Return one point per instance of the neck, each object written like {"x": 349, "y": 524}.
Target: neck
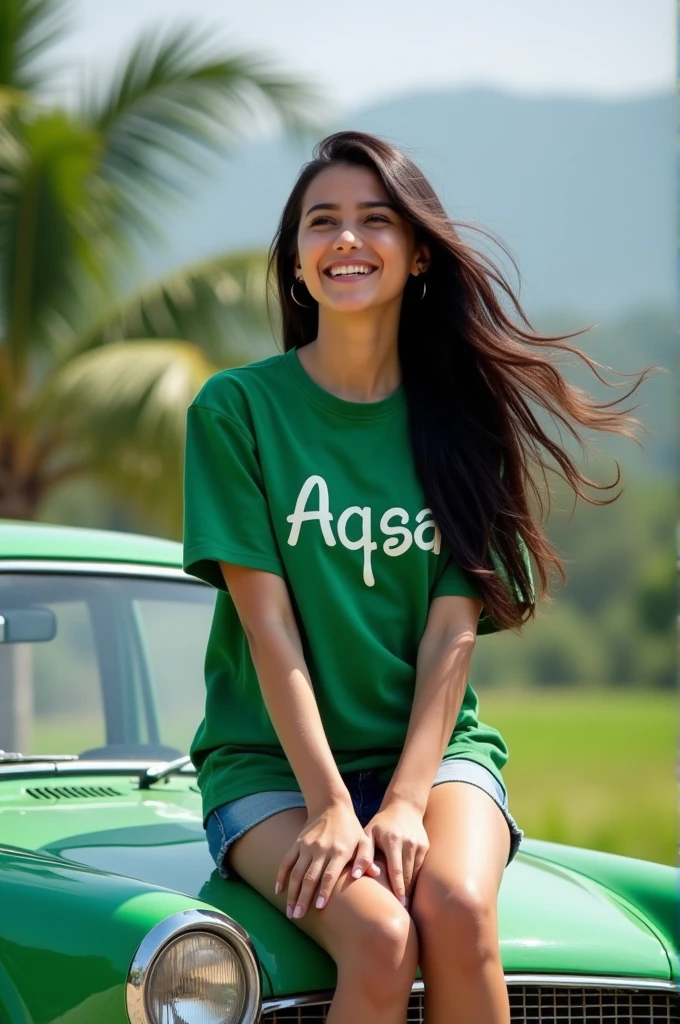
{"x": 354, "y": 356}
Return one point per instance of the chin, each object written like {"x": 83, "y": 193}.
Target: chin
{"x": 354, "y": 303}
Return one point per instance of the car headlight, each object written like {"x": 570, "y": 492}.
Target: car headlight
{"x": 195, "y": 967}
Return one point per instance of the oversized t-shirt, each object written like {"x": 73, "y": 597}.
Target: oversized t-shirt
{"x": 282, "y": 475}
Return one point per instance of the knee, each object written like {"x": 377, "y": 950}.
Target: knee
{"x": 456, "y": 923}
{"x": 382, "y": 955}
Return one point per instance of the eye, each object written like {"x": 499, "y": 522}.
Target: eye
{"x": 325, "y": 219}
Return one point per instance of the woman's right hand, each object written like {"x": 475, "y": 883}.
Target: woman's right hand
{"x": 331, "y": 838}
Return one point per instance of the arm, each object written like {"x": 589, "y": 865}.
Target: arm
{"x": 442, "y": 671}
{"x": 264, "y": 608}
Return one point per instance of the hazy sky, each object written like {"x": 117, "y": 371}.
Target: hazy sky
{"x": 364, "y": 50}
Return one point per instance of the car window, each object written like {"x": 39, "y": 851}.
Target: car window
{"x": 121, "y": 677}
{"x": 175, "y": 635}
{"x": 67, "y": 699}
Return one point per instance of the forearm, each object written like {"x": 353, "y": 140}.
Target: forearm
{"x": 291, "y": 703}
{"x": 442, "y": 672}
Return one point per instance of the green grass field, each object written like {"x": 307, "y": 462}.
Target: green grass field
{"x": 591, "y": 768}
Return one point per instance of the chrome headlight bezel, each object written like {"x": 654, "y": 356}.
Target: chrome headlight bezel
{"x": 174, "y": 927}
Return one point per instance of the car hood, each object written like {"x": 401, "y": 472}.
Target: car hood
{"x": 551, "y": 919}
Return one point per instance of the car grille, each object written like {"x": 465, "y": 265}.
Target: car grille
{"x": 541, "y": 1003}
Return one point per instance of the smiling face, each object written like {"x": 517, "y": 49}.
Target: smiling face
{"x": 354, "y": 250}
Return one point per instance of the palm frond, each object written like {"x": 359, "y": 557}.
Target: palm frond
{"x": 173, "y": 97}
{"x": 28, "y": 29}
{"x": 218, "y": 304}
{"x": 124, "y": 408}
{"x": 46, "y": 210}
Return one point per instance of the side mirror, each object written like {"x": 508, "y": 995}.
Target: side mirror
{"x": 27, "y": 625}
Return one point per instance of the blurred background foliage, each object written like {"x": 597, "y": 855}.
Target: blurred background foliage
{"x": 99, "y": 357}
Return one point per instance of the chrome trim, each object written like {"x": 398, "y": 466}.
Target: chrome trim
{"x": 37, "y": 770}
{"x": 589, "y": 981}
{"x": 547, "y": 980}
{"x": 55, "y": 565}
{"x": 155, "y": 941}
{"x": 312, "y": 999}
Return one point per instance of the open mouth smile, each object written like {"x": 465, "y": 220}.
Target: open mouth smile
{"x": 349, "y": 271}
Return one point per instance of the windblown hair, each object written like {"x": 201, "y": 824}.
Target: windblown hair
{"x": 475, "y": 379}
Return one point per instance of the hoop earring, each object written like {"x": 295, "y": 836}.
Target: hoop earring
{"x": 296, "y": 301}
{"x": 424, "y": 287}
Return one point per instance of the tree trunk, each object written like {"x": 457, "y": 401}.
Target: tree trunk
{"x": 20, "y": 492}
{"x": 16, "y": 503}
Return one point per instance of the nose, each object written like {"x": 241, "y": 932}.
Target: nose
{"x": 346, "y": 241}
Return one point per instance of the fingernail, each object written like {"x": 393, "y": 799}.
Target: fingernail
{"x": 356, "y": 873}
{"x": 404, "y": 901}
{"x": 298, "y": 911}
{"x": 277, "y": 889}
{"x": 320, "y": 903}
{"x": 289, "y": 911}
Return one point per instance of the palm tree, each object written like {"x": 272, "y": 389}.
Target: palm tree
{"x": 94, "y": 383}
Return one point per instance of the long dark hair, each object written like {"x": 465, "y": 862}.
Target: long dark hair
{"x": 474, "y": 381}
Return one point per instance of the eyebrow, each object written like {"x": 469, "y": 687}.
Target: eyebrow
{"x": 368, "y": 205}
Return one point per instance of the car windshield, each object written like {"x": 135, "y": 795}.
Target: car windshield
{"x": 121, "y": 676}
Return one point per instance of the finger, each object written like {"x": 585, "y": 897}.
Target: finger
{"x": 329, "y": 880}
{"x": 295, "y": 882}
{"x": 363, "y": 857}
{"x": 408, "y": 856}
{"x": 421, "y": 854}
{"x": 395, "y": 869}
{"x": 310, "y": 882}
{"x": 374, "y": 870}
{"x": 284, "y": 869}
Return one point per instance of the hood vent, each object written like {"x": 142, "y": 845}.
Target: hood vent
{"x": 71, "y": 792}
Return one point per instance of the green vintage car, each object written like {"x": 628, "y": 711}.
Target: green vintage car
{"x": 110, "y": 910}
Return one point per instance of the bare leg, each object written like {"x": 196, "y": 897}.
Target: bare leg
{"x": 455, "y": 907}
{"x": 363, "y": 926}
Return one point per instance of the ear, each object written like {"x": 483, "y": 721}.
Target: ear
{"x": 421, "y": 259}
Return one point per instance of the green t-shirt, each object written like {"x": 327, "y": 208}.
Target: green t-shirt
{"x": 282, "y": 475}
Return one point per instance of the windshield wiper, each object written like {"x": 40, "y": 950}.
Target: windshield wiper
{"x": 151, "y": 775}
{"x": 12, "y": 758}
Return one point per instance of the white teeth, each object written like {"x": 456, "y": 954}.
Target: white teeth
{"x": 350, "y": 269}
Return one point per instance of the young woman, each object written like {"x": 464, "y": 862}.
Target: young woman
{"x": 362, "y": 504}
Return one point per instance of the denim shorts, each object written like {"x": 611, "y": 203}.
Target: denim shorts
{"x": 229, "y": 822}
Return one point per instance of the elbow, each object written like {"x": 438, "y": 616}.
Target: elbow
{"x": 460, "y": 636}
{"x": 462, "y": 639}
{"x": 453, "y": 642}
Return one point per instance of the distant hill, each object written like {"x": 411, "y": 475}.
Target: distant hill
{"x": 581, "y": 190}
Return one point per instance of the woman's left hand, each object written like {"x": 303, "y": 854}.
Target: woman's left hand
{"x": 397, "y": 829}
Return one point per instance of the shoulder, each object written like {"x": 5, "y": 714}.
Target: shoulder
{"x": 231, "y": 393}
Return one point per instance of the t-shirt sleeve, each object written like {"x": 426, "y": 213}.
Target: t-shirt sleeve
{"x": 454, "y": 582}
{"x": 226, "y": 513}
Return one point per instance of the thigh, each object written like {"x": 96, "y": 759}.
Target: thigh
{"x": 469, "y": 840}
{"x": 256, "y": 857}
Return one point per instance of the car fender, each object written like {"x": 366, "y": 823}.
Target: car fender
{"x": 68, "y": 935}
{"x": 13, "y": 1009}
{"x": 649, "y": 889}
